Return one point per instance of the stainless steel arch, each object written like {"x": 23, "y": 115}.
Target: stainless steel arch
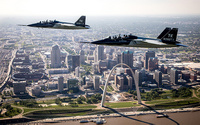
{"x": 106, "y": 84}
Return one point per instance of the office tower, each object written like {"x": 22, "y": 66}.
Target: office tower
{"x": 82, "y": 57}
{"x": 119, "y": 58}
{"x": 162, "y": 69}
{"x": 158, "y": 77}
{"x": 60, "y": 83}
{"x": 174, "y": 76}
{"x": 96, "y": 83}
{"x": 77, "y": 71}
{"x": 75, "y": 62}
{"x": 95, "y": 55}
{"x": 19, "y": 87}
{"x": 111, "y": 63}
{"x": 69, "y": 62}
{"x": 123, "y": 81}
{"x": 100, "y": 53}
{"x": 148, "y": 54}
{"x": 127, "y": 58}
{"x": 55, "y": 57}
{"x": 193, "y": 77}
{"x": 152, "y": 63}
{"x": 138, "y": 77}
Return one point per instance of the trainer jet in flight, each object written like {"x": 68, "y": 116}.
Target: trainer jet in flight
{"x": 79, "y": 24}
{"x": 166, "y": 39}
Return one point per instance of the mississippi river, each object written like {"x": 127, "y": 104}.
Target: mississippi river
{"x": 183, "y": 118}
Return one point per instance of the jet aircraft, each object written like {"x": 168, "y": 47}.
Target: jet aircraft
{"x": 166, "y": 39}
{"x": 79, "y": 24}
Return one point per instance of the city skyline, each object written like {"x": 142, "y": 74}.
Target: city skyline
{"x": 98, "y": 8}
{"x": 79, "y": 81}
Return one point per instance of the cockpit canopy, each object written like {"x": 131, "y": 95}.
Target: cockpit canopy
{"x": 123, "y": 37}
{"x": 48, "y": 22}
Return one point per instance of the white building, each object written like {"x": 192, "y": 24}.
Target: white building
{"x": 55, "y": 57}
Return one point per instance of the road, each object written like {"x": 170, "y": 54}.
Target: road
{"x": 9, "y": 71}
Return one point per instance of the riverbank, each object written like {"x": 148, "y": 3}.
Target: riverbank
{"x": 119, "y": 114}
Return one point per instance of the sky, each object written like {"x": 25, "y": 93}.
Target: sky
{"x": 98, "y": 7}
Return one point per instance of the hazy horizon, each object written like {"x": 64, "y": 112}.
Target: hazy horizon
{"x": 98, "y": 8}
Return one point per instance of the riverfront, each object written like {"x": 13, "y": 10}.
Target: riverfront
{"x": 180, "y": 118}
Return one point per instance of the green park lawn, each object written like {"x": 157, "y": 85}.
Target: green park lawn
{"x": 121, "y": 104}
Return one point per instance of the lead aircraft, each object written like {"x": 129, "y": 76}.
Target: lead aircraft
{"x": 166, "y": 39}
{"x": 79, "y": 24}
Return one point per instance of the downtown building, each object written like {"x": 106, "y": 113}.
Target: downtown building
{"x": 55, "y": 57}
{"x": 72, "y": 61}
{"x": 100, "y": 53}
{"x": 127, "y": 58}
{"x": 96, "y": 83}
{"x": 148, "y": 54}
{"x": 174, "y": 76}
{"x": 152, "y": 63}
{"x": 158, "y": 78}
{"x": 60, "y": 83}
{"x": 19, "y": 87}
{"x": 123, "y": 81}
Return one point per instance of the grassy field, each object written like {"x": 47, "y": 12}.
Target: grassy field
{"x": 109, "y": 88}
{"x": 62, "y": 113}
{"x": 159, "y": 101}
{"x": 121, "y": 104}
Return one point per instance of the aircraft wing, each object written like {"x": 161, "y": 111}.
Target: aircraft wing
{"x": 63, "y": 24}
{"x": 152, "y": 42}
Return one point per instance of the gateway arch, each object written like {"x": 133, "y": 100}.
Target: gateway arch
{"x": 106, "y": 84}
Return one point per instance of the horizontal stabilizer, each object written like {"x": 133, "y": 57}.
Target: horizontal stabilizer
{"x": 181, "y": 45}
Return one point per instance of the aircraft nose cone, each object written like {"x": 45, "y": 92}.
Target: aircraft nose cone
{"x": 30, "y": 25}
{"x": 98, "y": 42}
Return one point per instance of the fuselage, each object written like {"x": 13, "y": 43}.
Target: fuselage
{"x": 136, "y": 42}
{"x": 58, "y": 25}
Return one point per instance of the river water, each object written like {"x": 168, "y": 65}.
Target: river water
{"x": 183, "y": 118}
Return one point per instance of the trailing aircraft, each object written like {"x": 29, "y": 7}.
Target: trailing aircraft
{"x": 166, "y": 39}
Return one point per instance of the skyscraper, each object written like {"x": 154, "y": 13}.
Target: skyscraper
{"x": 69, "y": 62}
{"x": 138, "y": 77}
{"x": 123, "y": 81}
{"x": 96, "y": 83}
{"x": 75, "y": 62}
{"x": 100, "y": 53}
{"x": 174, "y": 76}
{"x": 152, "y": 63}
{"x": 158, "y": 77}
{"x": 127, "y": 58}
{"x": 82, "y": 57}
{"x": 55, "y": 57}
{"x": 148, "y": 54}
{"x": 60, "y": 83}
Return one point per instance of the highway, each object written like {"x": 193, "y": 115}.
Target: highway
{"x": 9, "y": 71}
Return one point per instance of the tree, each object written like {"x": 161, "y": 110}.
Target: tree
{"x": 89, "y": 101}
{"x": 58, "y": 101}
{"x": 79, "y": 101}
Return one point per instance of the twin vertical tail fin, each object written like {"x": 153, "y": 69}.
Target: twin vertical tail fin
{"x": 169, "y": 35}
{"x": 80, "y": 21}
